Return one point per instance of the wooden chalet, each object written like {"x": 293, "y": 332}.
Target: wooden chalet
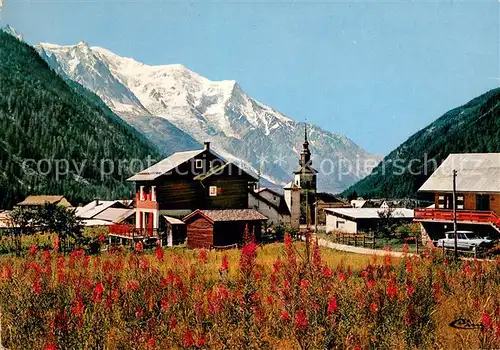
{"x": 181, "y": 184}
{"x": 478, "y": 196}
{"x": 222, "y": 228}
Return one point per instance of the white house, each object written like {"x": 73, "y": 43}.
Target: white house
{"x": 354, "y": 220}
{"x": 270, "y": 204}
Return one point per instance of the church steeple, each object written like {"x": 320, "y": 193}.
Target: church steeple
{"x": 305, "y": 155}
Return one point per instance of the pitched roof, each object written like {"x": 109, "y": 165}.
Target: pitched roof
{"x": 219, "y": 170}
{"x": 165, "y": 165}
{"x": 282, "y": 208}
{"x": 93, "y": 208}
{"x": 173, "y": 221}
{"x": 115, "y": 215}
{"x": 264, "y": 189}
{"x": 476, "y": 172}
{"x": 42, "y": 200}
{"x": 370, "y": 213}
{"x": 228, "y": 215}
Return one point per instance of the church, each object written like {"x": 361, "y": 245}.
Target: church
{"x": 300, "y": 194}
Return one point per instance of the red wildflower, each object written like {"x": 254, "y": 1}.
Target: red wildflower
{"x": 49, "y": 347}
{"x": 139, "y": 247}
{"x": 101, "y": 238}
{"x": 159, "y": 253}
{"x": 98, "y": 290}
{"x": 33, "y": 250}
{"x": 316, "y": 260}
{"x": 486, "y": 320}
{"x": 9, "y": 271}
{"x": 304, "y": 284}
{"x": 133, "y": 285}
{"x": 341, "y": 276}
{"x": 139, "y": 313}
{"x": 370, "y": 284}
{"x": 150, "y": 343}
{"x": 225, "y": 264}
{"x": 164, "y": 303}
{"x": 203, "y": 256}
{"x": 173, "y": 322}
{"x": 410, "y": 289}
{"x": 332, "y": 305}
{"x": 188, "y": 339}
{"x": 327, "y": 272}
{"x": 392, "y": 290}
{"x": 373, "y": 307}
{"x": 55, "y": 245}
{"x": 201, "y": 341}
{"x": 77, "y": 308}
{"x": 248, "y": 255}
{"x": 285, "y": 316}
{"x": 301, "y": 322}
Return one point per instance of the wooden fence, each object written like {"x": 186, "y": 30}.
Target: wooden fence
{"x": 357, "y": 240}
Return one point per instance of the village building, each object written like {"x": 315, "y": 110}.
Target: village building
{"x": 363, "y": 220}
{"x": 41, "y": 200}
{"x": 272, "y": 204}
{"x": 477, "y": 196}
{"x": 106, "y": 213}
{"x": 222, "y": 228}
{"x": 181, "y": 184}
{"x": 325, "y": 201}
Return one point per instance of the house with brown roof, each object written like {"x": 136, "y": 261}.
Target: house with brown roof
{"x": 272, "y": 204}
{"x": 40, "y": 200}
{"x": 220, "y": 228}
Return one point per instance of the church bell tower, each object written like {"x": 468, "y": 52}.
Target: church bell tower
{"x": 305, "y": 178}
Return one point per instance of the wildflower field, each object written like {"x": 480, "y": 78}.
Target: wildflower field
{"x": 274, "y": 296}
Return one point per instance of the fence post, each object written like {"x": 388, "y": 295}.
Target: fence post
{"x": 416, "y": 244}
{"x": 364, "y": 241}
{"x": 373, "y": 244}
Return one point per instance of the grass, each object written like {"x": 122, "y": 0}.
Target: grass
{"x": 377, "y": 302}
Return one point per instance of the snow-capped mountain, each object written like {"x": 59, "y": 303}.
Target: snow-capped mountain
{"x": 240, "y": 128}
{"x": 10, "y": 30}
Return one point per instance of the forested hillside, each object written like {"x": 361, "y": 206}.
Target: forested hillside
{"x": 473, "y": 127}
{"x": 43, "y": 119}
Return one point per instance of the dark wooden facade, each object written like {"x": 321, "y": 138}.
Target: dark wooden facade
{"x": 205, "y": 232}
{"x": 179, "y": 190}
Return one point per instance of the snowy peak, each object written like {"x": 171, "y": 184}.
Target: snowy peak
{"x": 239, "y": 127}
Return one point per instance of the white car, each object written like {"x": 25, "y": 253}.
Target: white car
{"x": 466, "y": 240}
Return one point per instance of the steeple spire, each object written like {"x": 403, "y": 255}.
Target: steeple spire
{"x": 305, "y": 132}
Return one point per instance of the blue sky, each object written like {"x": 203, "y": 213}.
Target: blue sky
{"x": 376, "y": 72}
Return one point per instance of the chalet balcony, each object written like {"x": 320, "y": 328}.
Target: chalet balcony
{"x": 131, "y": 232}
{"x": 467, "y": 216}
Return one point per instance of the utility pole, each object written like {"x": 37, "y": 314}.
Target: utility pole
{"x": 455, "y": 213}
{"x": 316, "y": 213}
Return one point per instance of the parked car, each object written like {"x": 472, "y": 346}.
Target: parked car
{"x": 466, "y": 240}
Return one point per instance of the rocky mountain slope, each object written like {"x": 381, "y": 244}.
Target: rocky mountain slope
{"x": 177, "y": 109}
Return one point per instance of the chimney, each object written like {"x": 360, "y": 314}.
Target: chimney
{"x": 96, "y": 202}
{"x": 206, "y": 146}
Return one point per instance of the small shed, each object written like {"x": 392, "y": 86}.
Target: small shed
{"x": 175, "y": 231}
{"x": 217, "y": 228}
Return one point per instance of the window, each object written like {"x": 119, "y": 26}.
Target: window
{"x": 483, "y": 202}
{"x": 153, "y": 193}
{"x": 141, "y": 193}
{"x": 446, "y": 201}
{"x": 213, "y": 191}
{"x": 198, "y": 163}
{"x": 340, "y": 223}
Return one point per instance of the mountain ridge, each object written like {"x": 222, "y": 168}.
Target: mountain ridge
{"x": 240, "y": 128}
{"x": 471, "y": 128}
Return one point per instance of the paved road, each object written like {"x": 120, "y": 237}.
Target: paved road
{"x": 359, "y": 250}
